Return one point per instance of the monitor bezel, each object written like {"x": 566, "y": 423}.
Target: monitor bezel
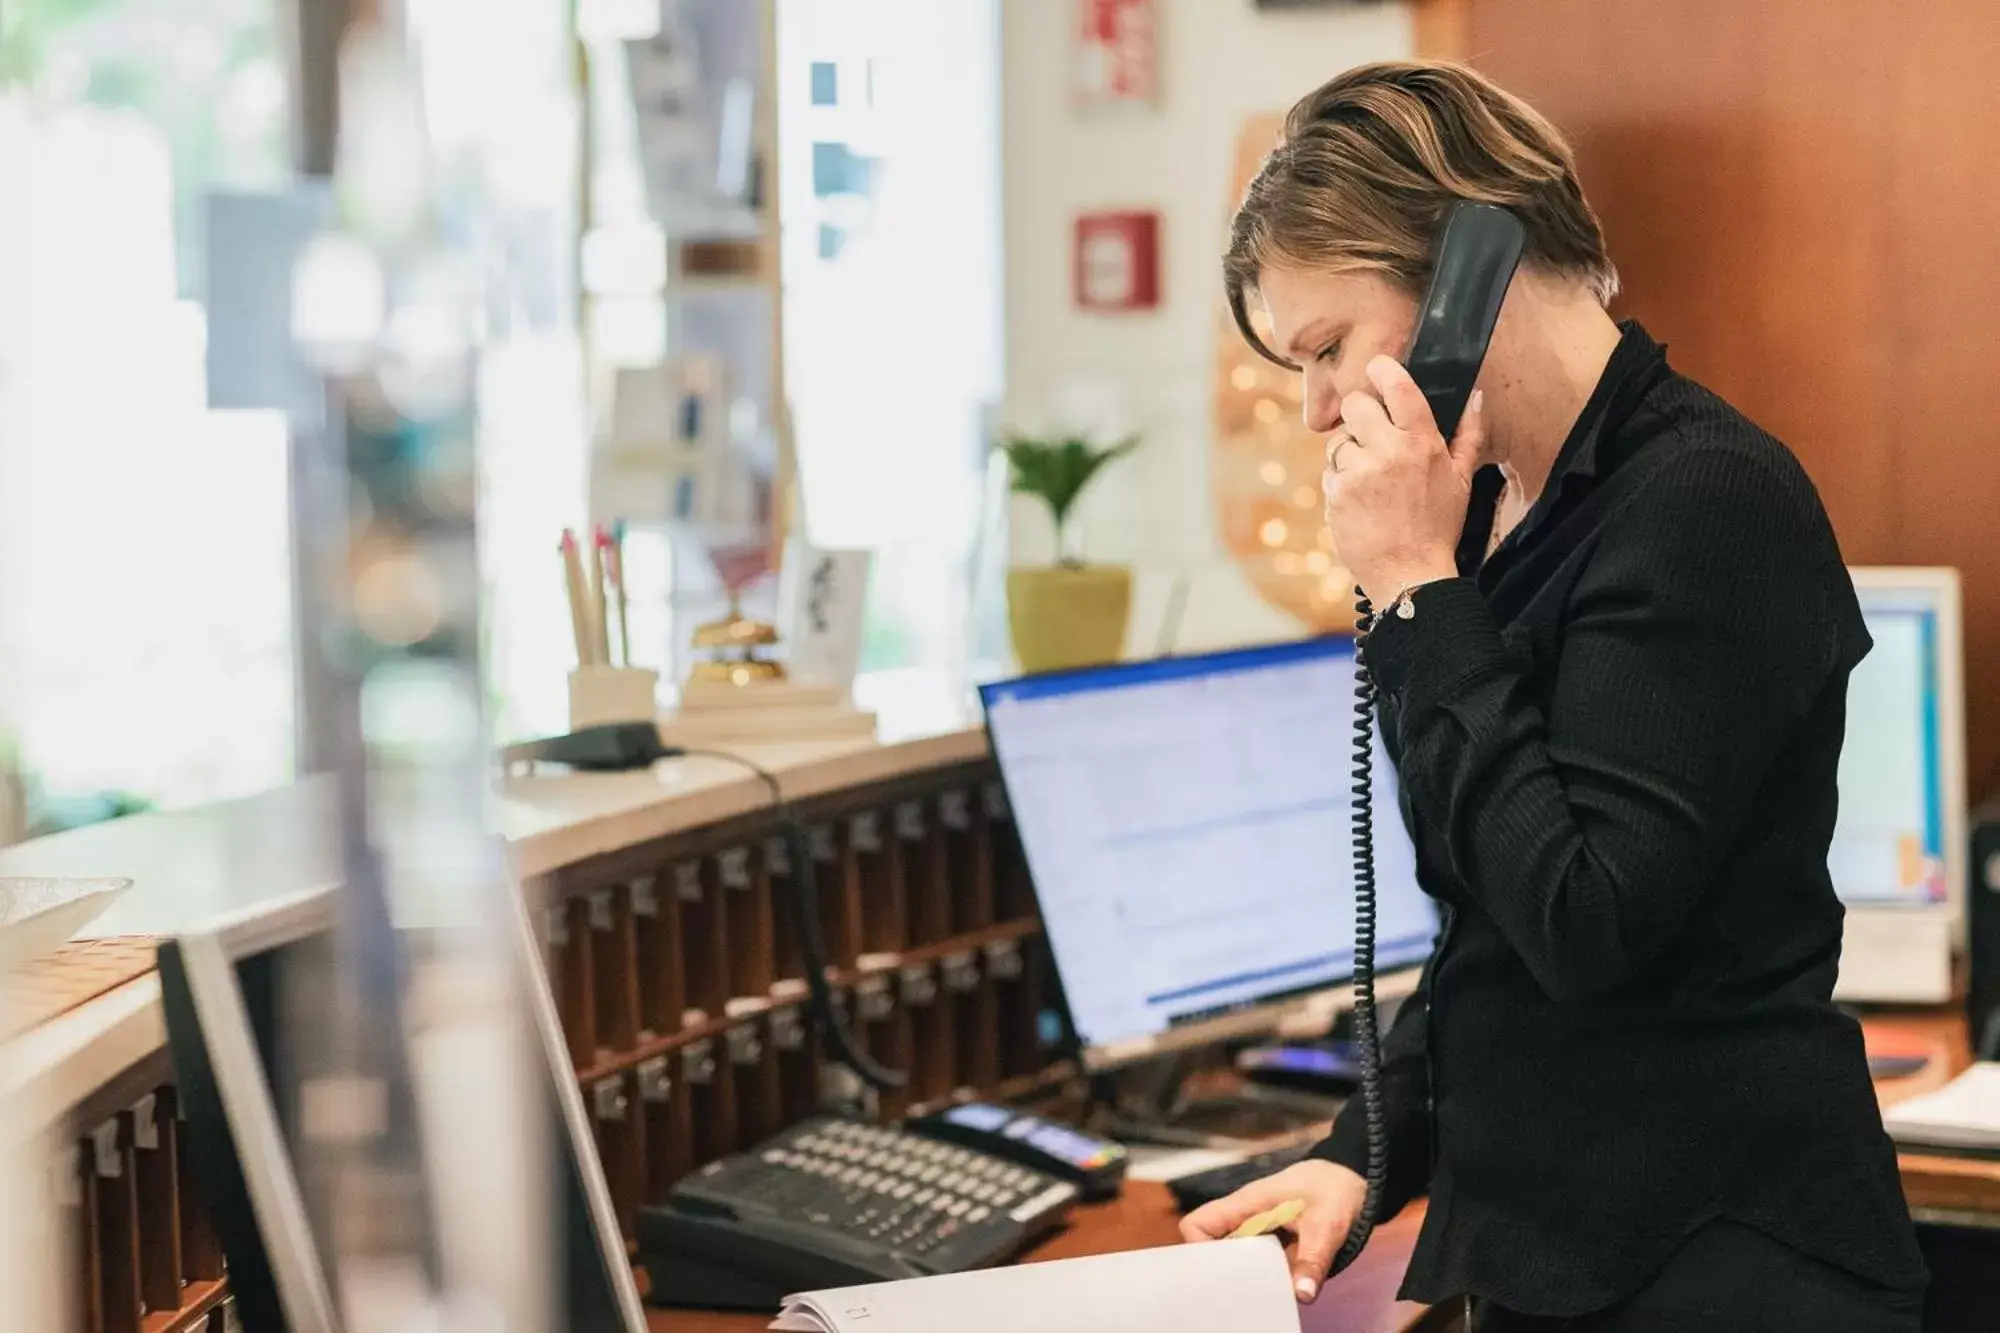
{"x": 1308, "y": 1009}
{"x": 210, "y": 955}
{"x": 1944, "y": 587}
{"x": 207, "y": 958}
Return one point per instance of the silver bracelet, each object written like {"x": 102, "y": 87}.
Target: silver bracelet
{"x": 1403, "y": 605}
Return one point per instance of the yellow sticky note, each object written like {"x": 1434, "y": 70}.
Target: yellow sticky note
{"x": 1271, "y": 1219}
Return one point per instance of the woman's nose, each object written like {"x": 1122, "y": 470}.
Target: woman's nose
{"x": 1322, "y": 404}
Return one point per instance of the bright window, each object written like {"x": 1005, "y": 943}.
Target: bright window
{"x": 889, "y": 141}
{"x": 144, "y": 614}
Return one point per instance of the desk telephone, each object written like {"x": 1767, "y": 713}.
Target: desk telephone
{"x": 835, "y": 1203}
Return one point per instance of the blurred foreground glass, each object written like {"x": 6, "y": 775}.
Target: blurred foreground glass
{"x": 422, "y": 1148}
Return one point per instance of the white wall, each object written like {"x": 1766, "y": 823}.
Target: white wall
{"x": 1221, "y": 61}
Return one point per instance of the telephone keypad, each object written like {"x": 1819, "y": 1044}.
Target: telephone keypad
{"x": 938, "y": 1205}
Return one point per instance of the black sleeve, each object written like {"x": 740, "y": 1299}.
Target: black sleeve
{"x": 1704, "y": 627}
{"x": 1406, "y": 1111}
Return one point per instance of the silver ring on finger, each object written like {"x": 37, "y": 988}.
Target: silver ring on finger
{"x": 1340, "y": 442}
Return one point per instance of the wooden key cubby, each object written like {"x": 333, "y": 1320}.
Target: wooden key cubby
{"x": 143, "y": 1247}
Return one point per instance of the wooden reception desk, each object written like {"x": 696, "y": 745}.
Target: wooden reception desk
{"x": 655, "y": 894}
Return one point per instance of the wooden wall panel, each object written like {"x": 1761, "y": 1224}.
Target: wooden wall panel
{"x": 1441, "y": 29}
{"x": 1800, "y": 198}
{"x": 1943, "y": 195}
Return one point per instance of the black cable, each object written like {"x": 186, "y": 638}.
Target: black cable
{"x": 1367, "y": 1040}
{"x": 802, "y": 902}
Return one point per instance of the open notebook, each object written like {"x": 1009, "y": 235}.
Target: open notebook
{"x": 1241, "y": 1285}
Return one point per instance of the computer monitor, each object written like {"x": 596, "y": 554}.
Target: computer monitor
{"x": 223, "y": 988}
{"x": 1898, "y": 856}
{"x": 1187, "y": 826}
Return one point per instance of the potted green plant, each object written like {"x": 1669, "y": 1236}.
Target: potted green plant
{"x": 1071, "y": 613}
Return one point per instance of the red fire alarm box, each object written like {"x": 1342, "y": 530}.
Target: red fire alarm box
{"x": 1118, "y": 261}
{"x": 1116, "y": 50}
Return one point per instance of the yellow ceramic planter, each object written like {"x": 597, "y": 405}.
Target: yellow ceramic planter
{"x": 1068, "y": 616}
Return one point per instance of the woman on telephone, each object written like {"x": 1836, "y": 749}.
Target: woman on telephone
{"x": 1612, "y": 646}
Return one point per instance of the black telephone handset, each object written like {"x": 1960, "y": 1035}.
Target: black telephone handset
{"x": 1476, "y": 257}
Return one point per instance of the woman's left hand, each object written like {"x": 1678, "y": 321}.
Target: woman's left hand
{"x": 1396, "y": 493}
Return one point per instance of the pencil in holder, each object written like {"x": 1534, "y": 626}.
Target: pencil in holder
{"x": 599, "y": 695}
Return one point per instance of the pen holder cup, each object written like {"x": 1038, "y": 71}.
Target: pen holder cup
{"x": 602, "y": 694}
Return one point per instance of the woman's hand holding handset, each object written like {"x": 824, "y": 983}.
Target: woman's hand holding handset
{"x": 1396, "y": 492}
{"x": 1332, "y": 1197}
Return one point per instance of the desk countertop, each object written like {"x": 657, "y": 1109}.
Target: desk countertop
{"x": 1940, "y": 1189}
{"x": 191, "y": 866}
{"x": 1943, "y": 1188}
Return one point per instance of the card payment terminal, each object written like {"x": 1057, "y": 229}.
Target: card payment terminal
{"x": 1094, "y": 1165}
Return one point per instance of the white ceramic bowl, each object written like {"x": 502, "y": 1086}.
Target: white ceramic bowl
{"x": 38, "y": 916}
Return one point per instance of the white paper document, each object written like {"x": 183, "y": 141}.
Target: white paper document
{"x": 1244, "y": 1286}
{"x": 1964, "y": 1113}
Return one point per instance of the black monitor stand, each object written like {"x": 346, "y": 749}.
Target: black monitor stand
{"x": 1201, "y": 1098}
{"x": 1195, "y": 1100}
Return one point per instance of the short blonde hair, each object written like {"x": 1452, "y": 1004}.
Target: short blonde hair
{"x": 1372, "y": 160}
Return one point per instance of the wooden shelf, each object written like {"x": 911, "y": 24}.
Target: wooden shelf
{"x": 198, "y": 1301}
{"x": 610, "y": 1064}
